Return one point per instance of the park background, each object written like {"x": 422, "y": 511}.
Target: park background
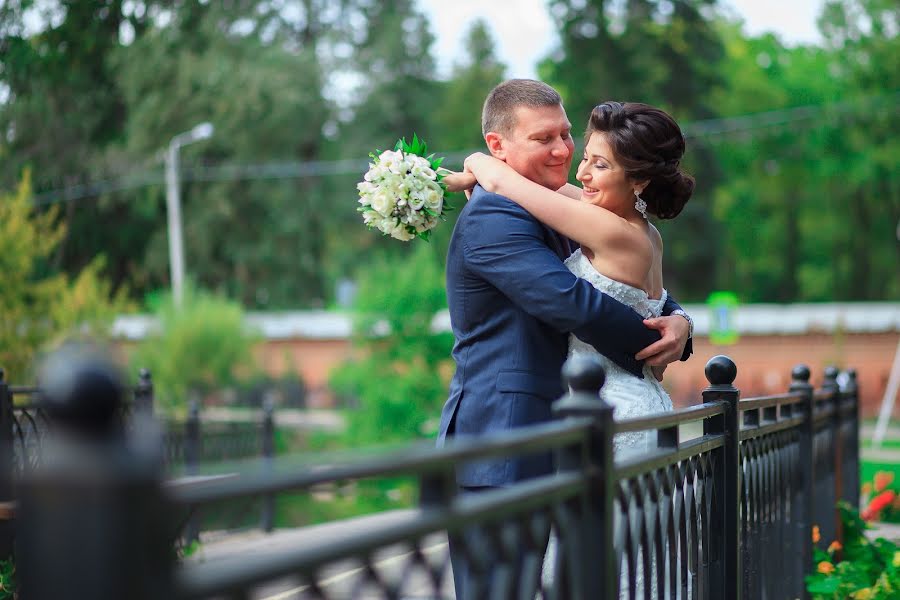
{"x": 793, "y": 145}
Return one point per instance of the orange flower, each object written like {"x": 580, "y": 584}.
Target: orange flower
{"x": 816, "y": 535}
{"x": 866, "y": 488}
{"x": 878, "y": 504}
{"x": 825, "y": 568}
{"x": 834, "y": 547}
{"x": 883, "y": 479}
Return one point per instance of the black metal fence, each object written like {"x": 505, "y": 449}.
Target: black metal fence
{"x": 725, "y": 514}
{"x": 186, "y": 445}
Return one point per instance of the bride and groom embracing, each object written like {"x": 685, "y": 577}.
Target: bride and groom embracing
{"x": 538, "y": 269}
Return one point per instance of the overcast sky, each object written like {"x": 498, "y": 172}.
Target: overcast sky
{"x": 523, "y": 31}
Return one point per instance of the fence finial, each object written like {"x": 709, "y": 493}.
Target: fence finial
{"x": 720, "y": 371}
{"x": 143, "y": 392}
{"x": 144, "y": 377}
{"x": 830, "y": 381}
{"x": 584, "y": 373}
{"x": 851, "y": 381}
{"x": 800, "y": 374}
{"x": 82, "y": 390}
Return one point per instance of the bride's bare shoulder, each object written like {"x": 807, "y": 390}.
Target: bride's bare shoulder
{"x": 655, "y": 237}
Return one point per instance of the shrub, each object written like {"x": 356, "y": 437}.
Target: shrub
{"x": 399, "y": 380}
{"x": 201, "y": 346}
{"x": 40, "y": 307}
{"x": 860, "y": 569}
{"x": 881, "y": 498}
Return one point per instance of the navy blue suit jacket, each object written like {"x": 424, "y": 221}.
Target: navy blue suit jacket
{"x": 512, "y": 305}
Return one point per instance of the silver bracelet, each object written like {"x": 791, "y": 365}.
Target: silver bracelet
{"x": 687, "y": 317}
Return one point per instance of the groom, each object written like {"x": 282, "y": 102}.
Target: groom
{"x": 513, "y": 302}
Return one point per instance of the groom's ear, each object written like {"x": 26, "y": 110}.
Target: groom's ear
{"x": 495, "y": 145}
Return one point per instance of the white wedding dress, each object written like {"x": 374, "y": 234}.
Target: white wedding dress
{"x": 630, "y": 396}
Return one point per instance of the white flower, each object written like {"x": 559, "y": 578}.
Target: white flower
{"x": 421, "y": 169}
{"x": 401, "y": 233}
{"x": 389, "y": 157}
{"x": 383, "y": 203}
{"x": 398, "y": 188}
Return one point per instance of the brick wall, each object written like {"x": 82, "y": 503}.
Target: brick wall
{"x": 764, "y": 363}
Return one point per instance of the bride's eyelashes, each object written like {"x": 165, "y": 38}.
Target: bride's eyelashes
{"x": 597, "y": 165}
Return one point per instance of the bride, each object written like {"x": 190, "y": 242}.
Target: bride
{"x": 630, "y": 169}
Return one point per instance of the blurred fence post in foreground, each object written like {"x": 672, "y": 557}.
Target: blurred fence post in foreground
{"x": 6, "y": 464}
{"x": 91, "y": 519}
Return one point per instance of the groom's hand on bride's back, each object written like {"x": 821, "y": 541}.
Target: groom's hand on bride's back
{"x": 675, "y": 331}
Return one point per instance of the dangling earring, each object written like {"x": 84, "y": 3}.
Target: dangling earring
{"x": 639, "y": 204}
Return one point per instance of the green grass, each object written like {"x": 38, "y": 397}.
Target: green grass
{"x": 867, "y": 470}
{"x": 893, "y": 444}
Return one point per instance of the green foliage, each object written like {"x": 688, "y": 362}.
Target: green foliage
{"x": 8, "y": 579}
{"x": 40, "y": 309}
{"x": 261, "y": 242}
{"x": 98, "y": 91}
{"x": 457, "y": 117}
{"x": 400, "y": 378}
{"x": 861, "y": 569}
{"x": 200, "y": 346}
{"x": 392, "y": 56}
{"x": 663, "y": 55}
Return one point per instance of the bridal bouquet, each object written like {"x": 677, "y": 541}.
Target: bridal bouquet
{"x": 401, "y": 194}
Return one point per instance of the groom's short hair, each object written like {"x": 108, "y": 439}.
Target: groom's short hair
{"x": 499, "y": 112}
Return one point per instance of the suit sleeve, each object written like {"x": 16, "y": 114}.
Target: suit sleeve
{"x": 506, "y": 246}
{"x": 671, "y": 305}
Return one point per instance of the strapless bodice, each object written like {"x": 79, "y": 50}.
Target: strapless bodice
{"x": 631, "y": 296}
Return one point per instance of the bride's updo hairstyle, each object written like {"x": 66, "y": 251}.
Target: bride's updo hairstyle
{"x": 648, "y": 144}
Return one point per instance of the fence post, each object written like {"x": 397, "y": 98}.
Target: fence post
{"x": 830, "y": 384}
{"x": 191, "y": 461}
{"x": 851, "y": 478}
{"x": 143, "y": 393}
{"x": 92, "y": 517}
{"x": 268, "y": 453}
{"x": 7, "y": 534}
{"x": 805, "y": 472}
{"x": 597, "y": 574}
{"x": 726, "y": 541}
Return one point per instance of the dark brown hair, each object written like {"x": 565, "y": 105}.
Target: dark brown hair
{"x": 498, "y": 113}
{"x": 648, "y": 144}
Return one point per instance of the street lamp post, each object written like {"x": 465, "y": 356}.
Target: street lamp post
{"x": 173, "y": 205}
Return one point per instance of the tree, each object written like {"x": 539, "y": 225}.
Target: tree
{"x": 40, "y": 309}
{"x": 404, "y": 369}
{"x": 661, "y": 53}
{"x": 458, "y": 115}
{"x": 805, "y": 180}
{"x": 63, "y": 109}
{"x": 258, "y": 240}
{"x": 393, "y": 62}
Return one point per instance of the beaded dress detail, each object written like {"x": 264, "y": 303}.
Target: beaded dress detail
{"x": 631, "y": 396}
